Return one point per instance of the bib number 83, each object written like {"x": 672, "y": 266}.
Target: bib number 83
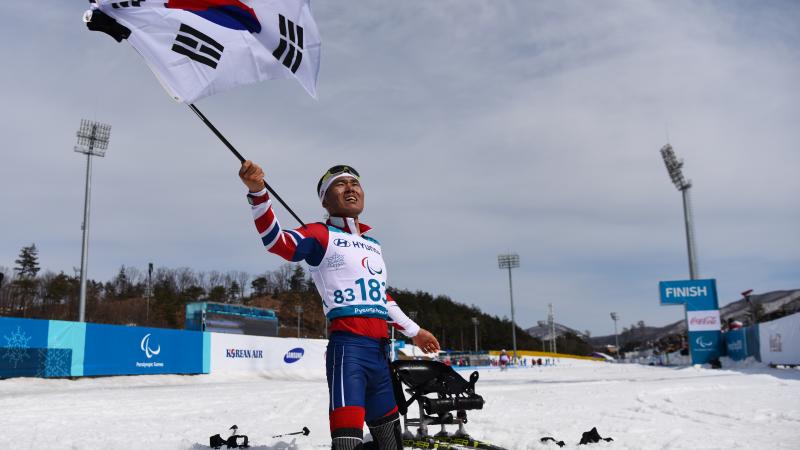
{"x": 370, "y": 289}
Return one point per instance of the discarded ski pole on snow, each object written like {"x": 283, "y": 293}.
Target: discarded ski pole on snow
{"x": 305, "y": 432}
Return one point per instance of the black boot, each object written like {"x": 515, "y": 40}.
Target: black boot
{"x": 386, "y": 432}
{"x": 347, "y": 439}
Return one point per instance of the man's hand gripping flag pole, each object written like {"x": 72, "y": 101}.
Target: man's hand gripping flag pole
{"x": 197, "y": 48}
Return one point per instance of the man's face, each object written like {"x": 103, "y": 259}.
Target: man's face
{"x": 344, "y": 198}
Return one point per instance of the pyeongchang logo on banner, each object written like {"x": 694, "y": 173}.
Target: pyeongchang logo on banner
{"x": 703, "y": 320}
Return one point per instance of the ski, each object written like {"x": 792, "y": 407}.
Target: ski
{"x": 452, "y": 442}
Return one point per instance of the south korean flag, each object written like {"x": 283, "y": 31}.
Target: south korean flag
{"x": 198, "y": 48}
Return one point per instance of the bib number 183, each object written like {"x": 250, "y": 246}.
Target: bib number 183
{"x": 370, "y": 289}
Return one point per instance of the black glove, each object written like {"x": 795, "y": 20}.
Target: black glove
{"x": 97, "y": 20}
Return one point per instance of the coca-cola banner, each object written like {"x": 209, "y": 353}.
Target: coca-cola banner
{"x": 703, "y": 320}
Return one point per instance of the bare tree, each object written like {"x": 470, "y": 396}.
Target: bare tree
{"x": 184, "y": 279}
{"x": 135, "y": 276}
{"x": 228, "y": 279}
{"x": 281, "y": 276}
{"x": 243, "y": 278}
{"x": 215, "y": 278}
{"x": 202, "y": 280}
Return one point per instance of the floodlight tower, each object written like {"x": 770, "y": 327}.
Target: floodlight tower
{"x": 615, "y": 317}
{"x": 93, "y": 140}
{"x": 674, "y": 166}
{"x": 510, "y": 261}
{"x": 552, "y": 319}
{"x": 299, "y": 310}
{"x": 475, "y": 326}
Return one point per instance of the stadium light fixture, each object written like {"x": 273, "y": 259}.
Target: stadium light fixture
{"x": 510, "y": 261}
{"x": 674, "y": 166}
{"x": 299, "y": 310}
{"x": 148, "y": 292}
{"x": 475, "y": 326}
{"x": 93, "y": 138}
{"x": 615, "y": 317}
{"x": 552, "y": 320}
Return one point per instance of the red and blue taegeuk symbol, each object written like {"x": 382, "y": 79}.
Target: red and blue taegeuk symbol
{"x": 231, "y": 14}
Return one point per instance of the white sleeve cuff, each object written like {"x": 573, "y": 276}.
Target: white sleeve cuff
{"x": 411, "y": 330}
{"x": 259, "y": 193}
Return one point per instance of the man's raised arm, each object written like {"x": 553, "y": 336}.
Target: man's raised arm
{"x": 306, "y": 243}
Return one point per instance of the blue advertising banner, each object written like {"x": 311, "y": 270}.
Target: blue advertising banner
{"x": 120, "y": 350}
{"x": 704, "y": 345}
{"x": 71, "y": 337}
{"x": 736, "y": 341}
{"x": 697, "y": 295}
{"x": 753, "y": 343}
{"x": 23, "y": 348}
{"x": 703, "y": 320}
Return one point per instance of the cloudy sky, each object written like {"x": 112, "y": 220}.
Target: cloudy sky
{"x": 479, "y": 127}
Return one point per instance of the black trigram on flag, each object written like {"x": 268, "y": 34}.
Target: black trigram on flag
{"x": 197, "y": 46}
{"x": 291, "y": 44}
{"x": 130, "y": 4}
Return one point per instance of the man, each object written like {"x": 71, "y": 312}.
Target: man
{"x": 348, "y": 269}
{"x": 504, "y": 359}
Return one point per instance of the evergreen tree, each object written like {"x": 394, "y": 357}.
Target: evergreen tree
{"x": 259, "y": 286}
{"x": 26, "y": 283}
{"x": 234, "y": 291}
{"x": 298, "y": 279}
{"x": 28, "y": 262}
{"x": 217, "y": 294}
{"x": 57, "y": 289}
{"x": 193, "y": 293}
{"x": 121, "y": 283}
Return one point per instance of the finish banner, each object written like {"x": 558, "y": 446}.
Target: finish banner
{"x": 699, "y": 298}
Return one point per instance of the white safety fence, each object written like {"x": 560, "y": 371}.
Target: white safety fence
{"x": 268, "y": 356}
{"x": 780, "y": 340}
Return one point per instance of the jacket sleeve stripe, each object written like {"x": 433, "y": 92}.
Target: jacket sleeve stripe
{"x": 265, "y": 220}
{"x": 271, "y": 238}
{"x": 291, "y": 245}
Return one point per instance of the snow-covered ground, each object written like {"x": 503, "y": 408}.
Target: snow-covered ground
{"x": 641, "y": 407}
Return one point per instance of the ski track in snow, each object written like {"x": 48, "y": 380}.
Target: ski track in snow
{"x": 640, "y": 407}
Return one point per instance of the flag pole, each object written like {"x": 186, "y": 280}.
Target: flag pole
{"x": 241, "y": 158}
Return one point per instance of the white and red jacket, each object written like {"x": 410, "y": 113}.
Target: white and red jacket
{"x": 346, "y": 265}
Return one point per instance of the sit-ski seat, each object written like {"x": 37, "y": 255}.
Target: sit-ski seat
{"x": 454, "y": 393}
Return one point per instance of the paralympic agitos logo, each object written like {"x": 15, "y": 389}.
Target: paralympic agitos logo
{"x": 365, "y": 264}
{"x": 231, "y": 14}
{"x": 145, "y": 346}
